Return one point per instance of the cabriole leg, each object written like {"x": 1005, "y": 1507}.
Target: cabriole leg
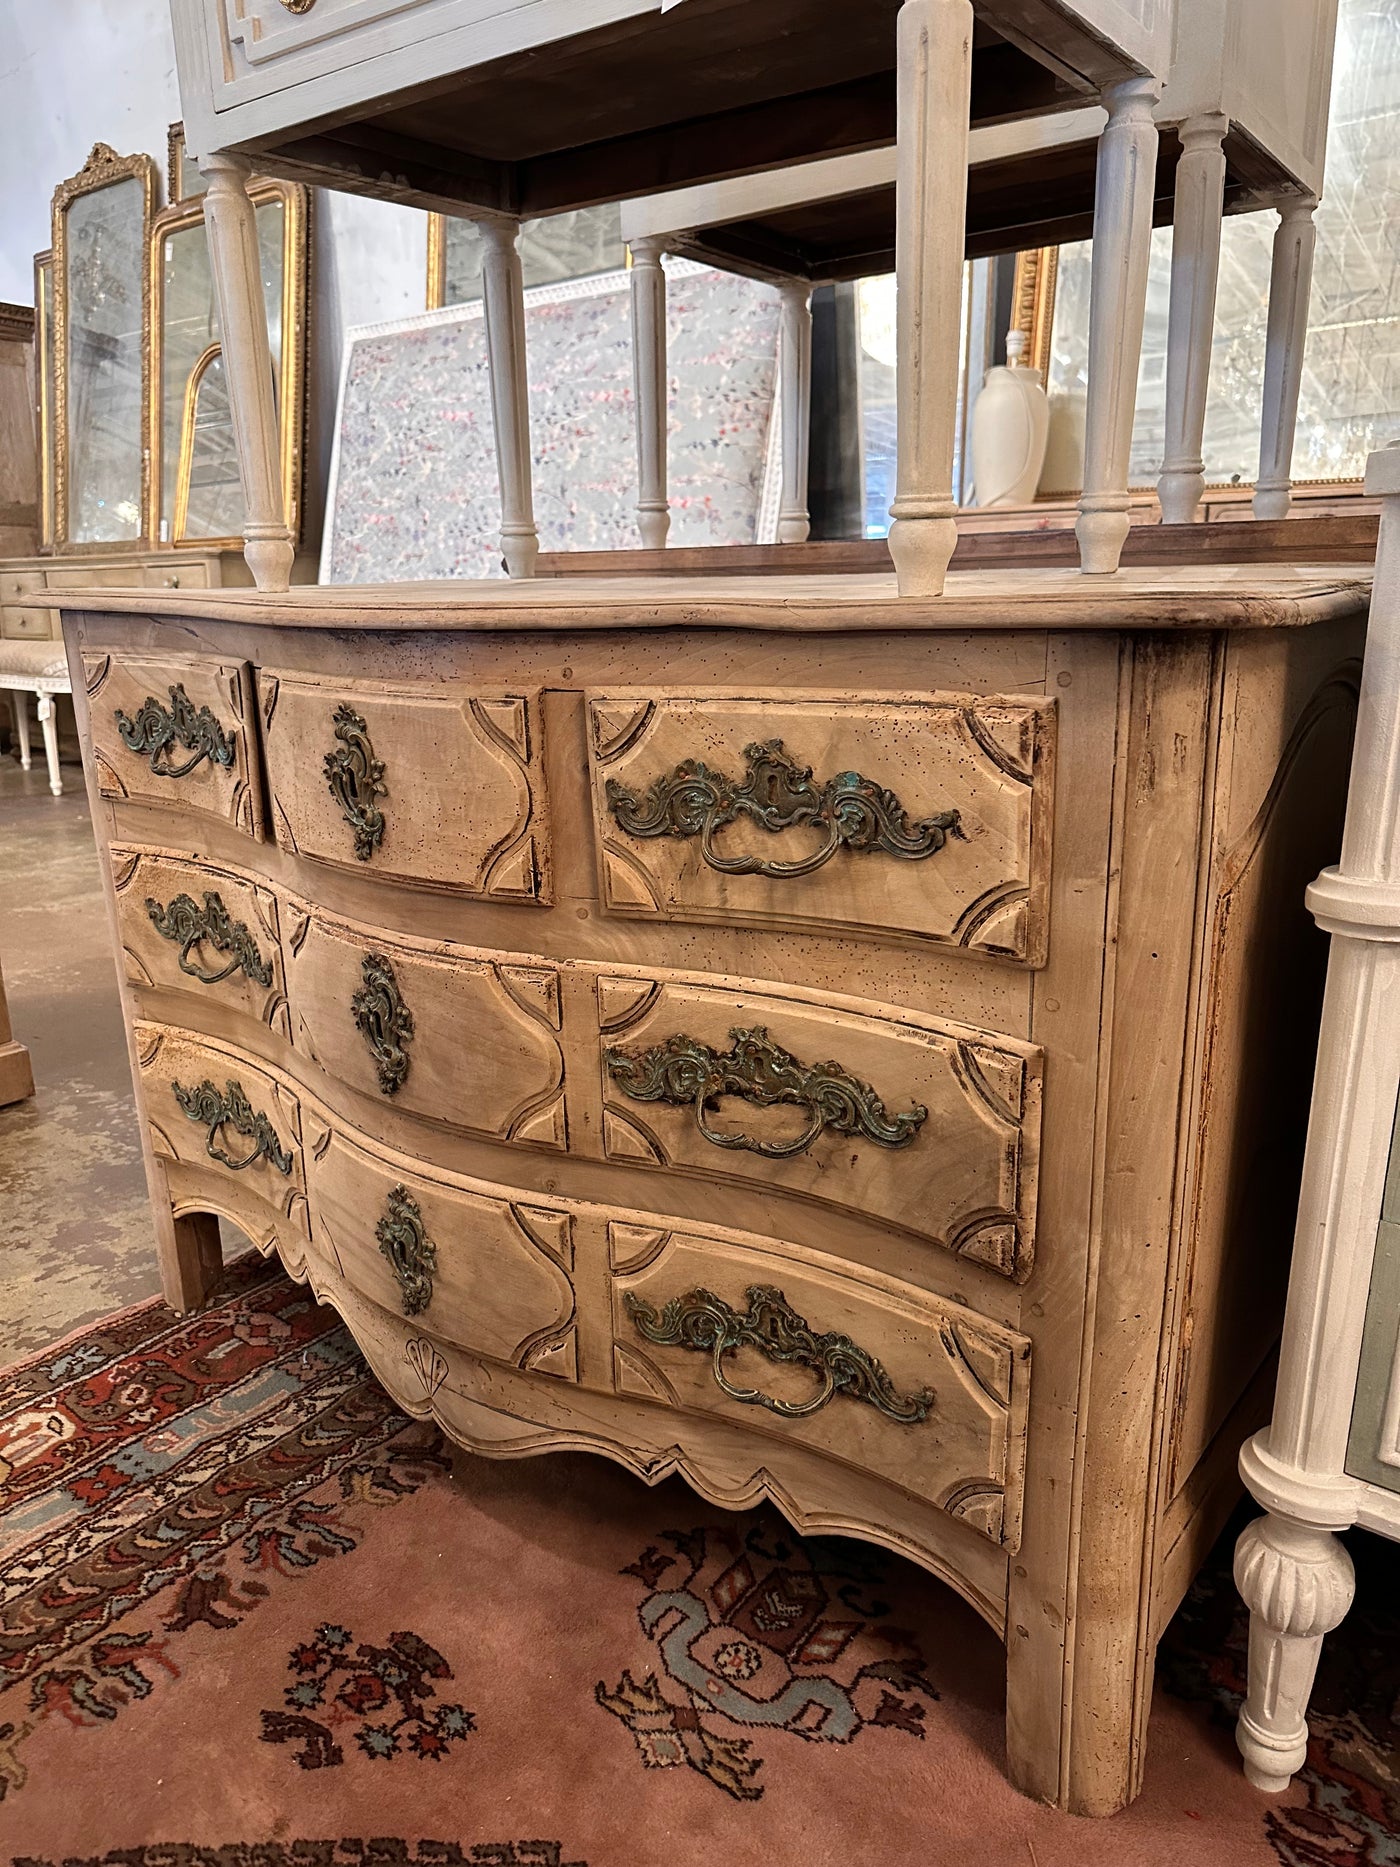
{"x": 1297, "y": 1582}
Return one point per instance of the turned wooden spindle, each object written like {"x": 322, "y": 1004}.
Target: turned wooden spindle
{"x": 1290, "y": 290}
{"x": 795, "y": 353}
{"x": 503, "y": 289}
{"x": 651, "y": 385}
{"x": 1200, "y": 197}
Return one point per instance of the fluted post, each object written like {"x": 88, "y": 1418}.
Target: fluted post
{"x": 794, "y": 520}
{"x": 247, "y": 356}
{"x": 1290, "y": 289}
{"x": 935, "y": 80}
{"x": 651, "y": 383}
{"x": 503, "y": 285}
{"x": 1200, "y": 198}
{"x": 1118, "y": 300}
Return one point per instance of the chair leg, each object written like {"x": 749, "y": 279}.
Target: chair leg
{"x": 49, "y": 726}
{"x": 19, "y": 707}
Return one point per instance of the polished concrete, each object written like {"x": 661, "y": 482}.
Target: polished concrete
{"x": 75, "y": 1229}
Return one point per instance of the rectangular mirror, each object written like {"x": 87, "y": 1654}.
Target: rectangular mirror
{"x": 101, "y": 224}
{"x": 576, "y": 245}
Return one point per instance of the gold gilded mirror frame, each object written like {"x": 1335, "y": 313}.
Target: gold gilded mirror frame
{"x": 291, "y": 389}
{"x": 437, "y": 262}
{"x": 43, "y": 392}
{"x": 104, "y": 168}
{"x": 1033, "y": 303}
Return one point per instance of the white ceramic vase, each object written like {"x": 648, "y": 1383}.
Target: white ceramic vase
{"x": 1010, "y": 428}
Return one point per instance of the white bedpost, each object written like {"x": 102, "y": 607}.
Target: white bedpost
{"x": 1118, "y": 299}
{"x": 503, "y": 290}
{"x": 1293, "y": 1573}
{"x": 651, "y": 382}
{"x": 794, "y": 520}
{"x": 1290, "y": 289}
{"x": 233, "y": 263}
{"x": 935, "y": 83}
{"x": 1200, "y": 199}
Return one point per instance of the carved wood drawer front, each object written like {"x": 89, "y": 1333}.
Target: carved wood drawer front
{"x": 450, "y": 1034}
{"x": 226, "y": 1124}
{"x": 477, "y": 1266}
{"x": 173, "y": 729}
{"x": 931, "y": 1127}
{"x": 441, "y": 785}
{"x": 923, "y": 1393}
{"x": 914, "y": 819}
{"x": 211, "y": 932}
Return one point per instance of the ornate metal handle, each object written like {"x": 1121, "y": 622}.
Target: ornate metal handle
{"x": 208, "y": 1109}
{"x": 683, "y": 1070}
{"x": 411, "y": 1253}
{"x": 384, "y": 1021}
{"x": 703, "y": 1321}
{"x": 356, "y": 779}
{"x": 189, "y": 926}
{"x": 156, "y": 728}
{"x": 777, "y": 793}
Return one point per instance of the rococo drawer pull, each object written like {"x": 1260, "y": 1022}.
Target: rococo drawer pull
{"x": 156, "y": 728}
{"x": 206, "y": 1107}
{"x": 411, "y": 1253}
{"x": 703, "y": 1321}
{"x": 777, "y": 794}
{"x": 684, "y": 1071}
{"x": 384, "y": 1021}
{"x": 356, "y": 779}
{"x": 190, "y": 926}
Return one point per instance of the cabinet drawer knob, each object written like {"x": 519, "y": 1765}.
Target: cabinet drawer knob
{"x": 356, "y": 779}
{"x": 411, "y": 1253}
{"x": 156, "y": 728}
{"x": 384, "y": 1021}
{"x": 207, "y": 1108}
{"x": 778, "y": 794}
{"x": 191, "y": 926}
{"x": 700, "y": 1320}
{"x": 683, "y": 1072}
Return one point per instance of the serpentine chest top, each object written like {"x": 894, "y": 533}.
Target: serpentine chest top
{"x": 840, "y": 1049}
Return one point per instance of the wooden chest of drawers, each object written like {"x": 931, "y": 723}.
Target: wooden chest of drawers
{"x": 842, "y": 1050}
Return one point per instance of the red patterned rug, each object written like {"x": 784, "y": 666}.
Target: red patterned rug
{"x": 247, "y": 1619}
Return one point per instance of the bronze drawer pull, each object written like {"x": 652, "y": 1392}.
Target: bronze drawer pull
{"x": 684, "y": 1071}
{"x": 208, "y": 1109}
{"x": 156, "y": 728}
{"x": 189, "y": 926}
{"x": 777, "y": 794}
{"x": 356, "y": 779}
{"x": 384, "y": 1021}
{"x": 411, "y": 1253}
{"x": 703, "y": 1321}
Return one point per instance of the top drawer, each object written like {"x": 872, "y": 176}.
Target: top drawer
{"x": 175, "y": 730}
{"x": 913, "y": 819}
{"x": 440, "y": 785}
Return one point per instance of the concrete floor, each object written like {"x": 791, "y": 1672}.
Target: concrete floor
{"x": 75, "y": 1228}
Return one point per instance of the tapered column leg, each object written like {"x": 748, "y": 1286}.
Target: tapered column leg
{"x": 1297, "y": 1582}
{"x": 504, "y": 291}
{"x": 1290, "y": 289}
{"x": 48, "y": 725}
{"x": 19, "y": 710}
{"x": 794, "y": 521}
{"x": 1200, "y": 197}
{"x": 247, "y": 355}
{"x": 651, "y": 383}
{"x": 1122, "y": 248}
{"x": 935, "y": 78}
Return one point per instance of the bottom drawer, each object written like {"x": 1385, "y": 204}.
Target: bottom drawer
{"x": 925, "y": 1394}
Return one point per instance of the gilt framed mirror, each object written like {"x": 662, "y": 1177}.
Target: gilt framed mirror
{"x": 44, "y": 391}
{"x": 101, "y": 341}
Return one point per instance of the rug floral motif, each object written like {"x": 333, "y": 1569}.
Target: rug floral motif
{"x": 384, "y": 1691}
{"x": 757, "y": 1629}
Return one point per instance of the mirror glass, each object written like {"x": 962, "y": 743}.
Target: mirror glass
{"x": 566, "y": 246}
{"x": 106, "y": 238}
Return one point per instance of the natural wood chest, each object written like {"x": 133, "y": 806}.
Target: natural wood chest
{"x": 844, "y": 1050}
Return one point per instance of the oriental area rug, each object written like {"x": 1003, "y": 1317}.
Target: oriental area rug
{"x": 248, "y": 1618}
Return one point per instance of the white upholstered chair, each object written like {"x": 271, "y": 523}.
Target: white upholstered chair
{"x": 39, "y": 668}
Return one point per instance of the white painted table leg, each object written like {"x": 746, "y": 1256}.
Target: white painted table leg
{"x": 1200, "y": 196}
{"x": 651, "y": 383}
{"x": 1122, "y": 248}
{"x": 1290, "y": 290}
{"x": 233, "y": 262}
{"x": 794, "y": 520}
{"x": 19, "y": 707}
{"x": 935, "y": 80}
{"x": 503, "y": 284}
{"x": 49, "y": 727}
